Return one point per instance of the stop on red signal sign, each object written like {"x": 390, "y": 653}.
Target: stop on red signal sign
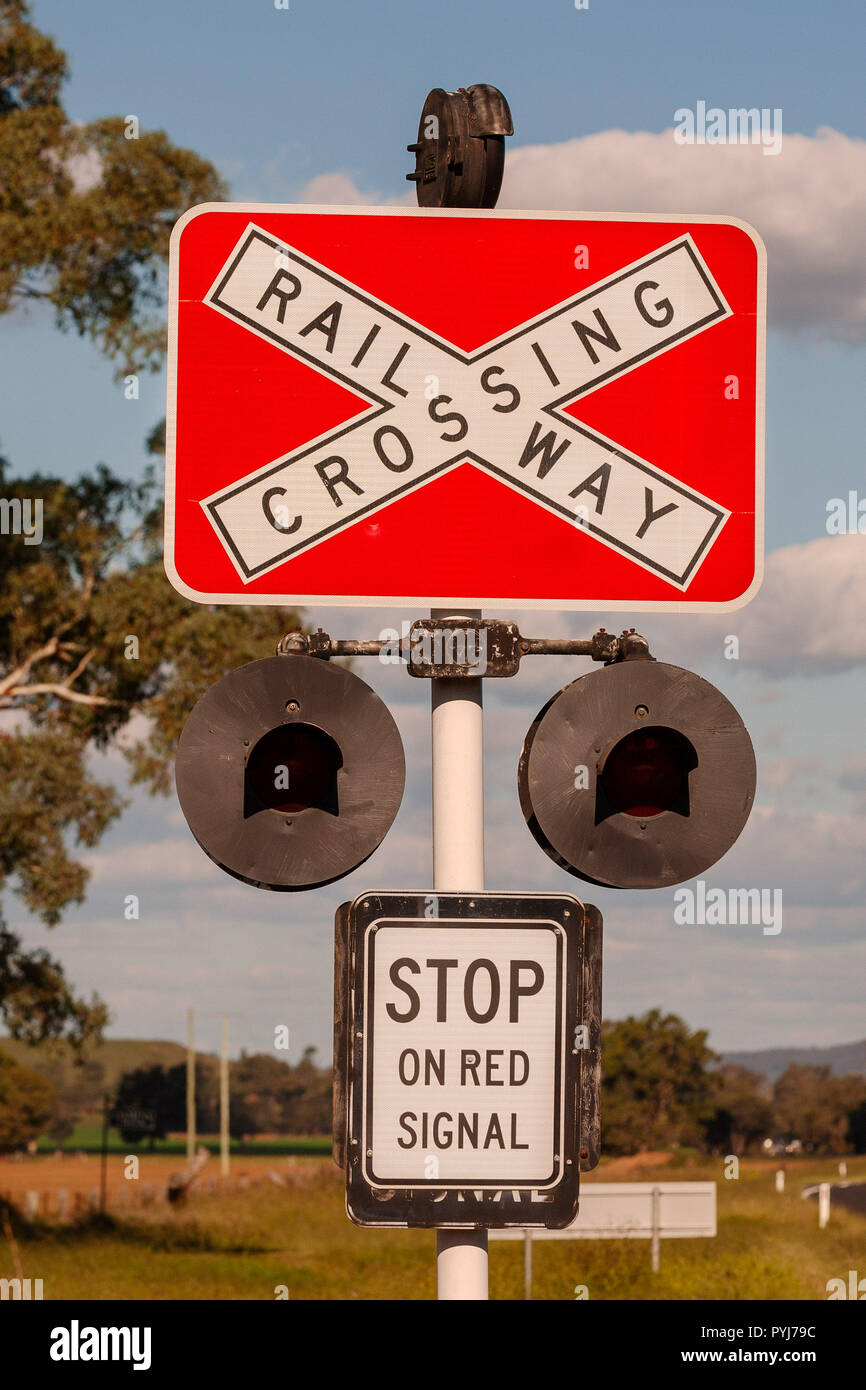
{"x": 467, "y": 1062}
{"x": 490, "y": 408}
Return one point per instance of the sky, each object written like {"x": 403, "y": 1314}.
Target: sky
{"x": 315, "y": 103}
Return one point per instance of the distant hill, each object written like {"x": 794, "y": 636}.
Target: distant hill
{"x": 773, "y": 1061}
{"x": 104, "y": 1064}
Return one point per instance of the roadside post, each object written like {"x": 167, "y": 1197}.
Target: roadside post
{"x": 823, "y": 1205}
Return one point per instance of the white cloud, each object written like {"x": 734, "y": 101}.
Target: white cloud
{"x": 85, "y": 170}
{"x": 780, "y": 773}
{"x": 750, "y": 990}
{"x": 176, "y": 860}
{"x": 807, "y": 618}
{"x": 854, "y": 775}
{"x": 339, "y": 189}
{"x": 808, "y": 203}
{"x": 817, "y": 858}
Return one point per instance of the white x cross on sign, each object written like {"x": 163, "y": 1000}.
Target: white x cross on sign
{"x": 432, "y": 407}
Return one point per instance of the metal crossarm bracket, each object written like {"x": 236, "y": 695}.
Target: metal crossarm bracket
{"x": 466, "y": 648}
{"x": 443, "y": 647}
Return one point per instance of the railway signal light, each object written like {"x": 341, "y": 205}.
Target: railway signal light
{"x": 639, "y": 775}
{"x": 460, "y": 150}
{"x": 290, "y": 772}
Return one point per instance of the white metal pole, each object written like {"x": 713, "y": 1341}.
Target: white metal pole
{"x": 458, "y": 867}
{"x": 527, "y": 1264}
{"x": 224, "y": 1097}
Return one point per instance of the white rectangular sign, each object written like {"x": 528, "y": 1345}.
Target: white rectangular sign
{"x": 463, "y": 1054}
{"x": 624, "y": 1210}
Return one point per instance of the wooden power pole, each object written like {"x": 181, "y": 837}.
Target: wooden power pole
{"x": 190, "y": 1085}
{"x": 224, "y": 1097}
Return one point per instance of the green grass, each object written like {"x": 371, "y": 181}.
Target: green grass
{"x": 244, "y": 1245}
{"x": 87, "y": 1136}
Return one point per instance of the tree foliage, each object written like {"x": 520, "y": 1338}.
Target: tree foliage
{"x": 85, "y": 211}
{"x": 657, "y": 1092}
{"x": 266, "y": 1096}
{"x": 25, "y": 1104}
{"x": 75, "y": 1083}
{"x": 36, "y": 1002}
{"x": 743, "y": 1110}
{"x": 857, "y": 1128}
{"x": 817, "y": 1107}
{"x": 91, "y": 636}
{"x": 151, "y": 1102}
{"x": 269, "y": 1096}
{"x": 662, "y": 1089}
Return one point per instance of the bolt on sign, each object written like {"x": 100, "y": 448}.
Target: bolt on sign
{"x": 467, "y": 1041}
{"x": 399, "y": 405}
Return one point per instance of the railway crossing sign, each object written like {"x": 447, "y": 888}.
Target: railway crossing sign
{"x": 467, "y": 1042}
{"x": 415, "y": 406}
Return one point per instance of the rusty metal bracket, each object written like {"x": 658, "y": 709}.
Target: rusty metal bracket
{"x": 602, "y": 646}
{"x": 466, "y": 648}
{"x": 443, "y": 647}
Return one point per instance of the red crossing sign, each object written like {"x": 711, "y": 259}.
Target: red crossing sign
{"x": 494, "y": 409}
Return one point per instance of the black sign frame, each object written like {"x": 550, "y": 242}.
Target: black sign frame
{"x": 436, "y": 1205}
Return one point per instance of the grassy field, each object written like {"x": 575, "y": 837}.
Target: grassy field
{"x": 87, "y": 1137}
{"x": 47, "y": 1175}
{"x": 244, "y": 1245}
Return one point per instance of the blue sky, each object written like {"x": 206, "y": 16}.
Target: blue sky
{"x": 319, "y": 101}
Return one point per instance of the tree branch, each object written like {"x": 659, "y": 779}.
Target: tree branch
{"x": 85, "y": 660}
{"x": 23, "y": 292}
{"x": 63, "y": 692}
{"x": 23, "y": 671}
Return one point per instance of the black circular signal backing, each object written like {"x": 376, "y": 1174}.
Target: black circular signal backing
{"x": 640, "y": 775}
{"x": 290, "y": 772}
{"x": 460, "y": 150}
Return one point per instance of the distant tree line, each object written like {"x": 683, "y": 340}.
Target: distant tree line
{"x": 663, "y": 1089}
{"x": 266, "y": 1096}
